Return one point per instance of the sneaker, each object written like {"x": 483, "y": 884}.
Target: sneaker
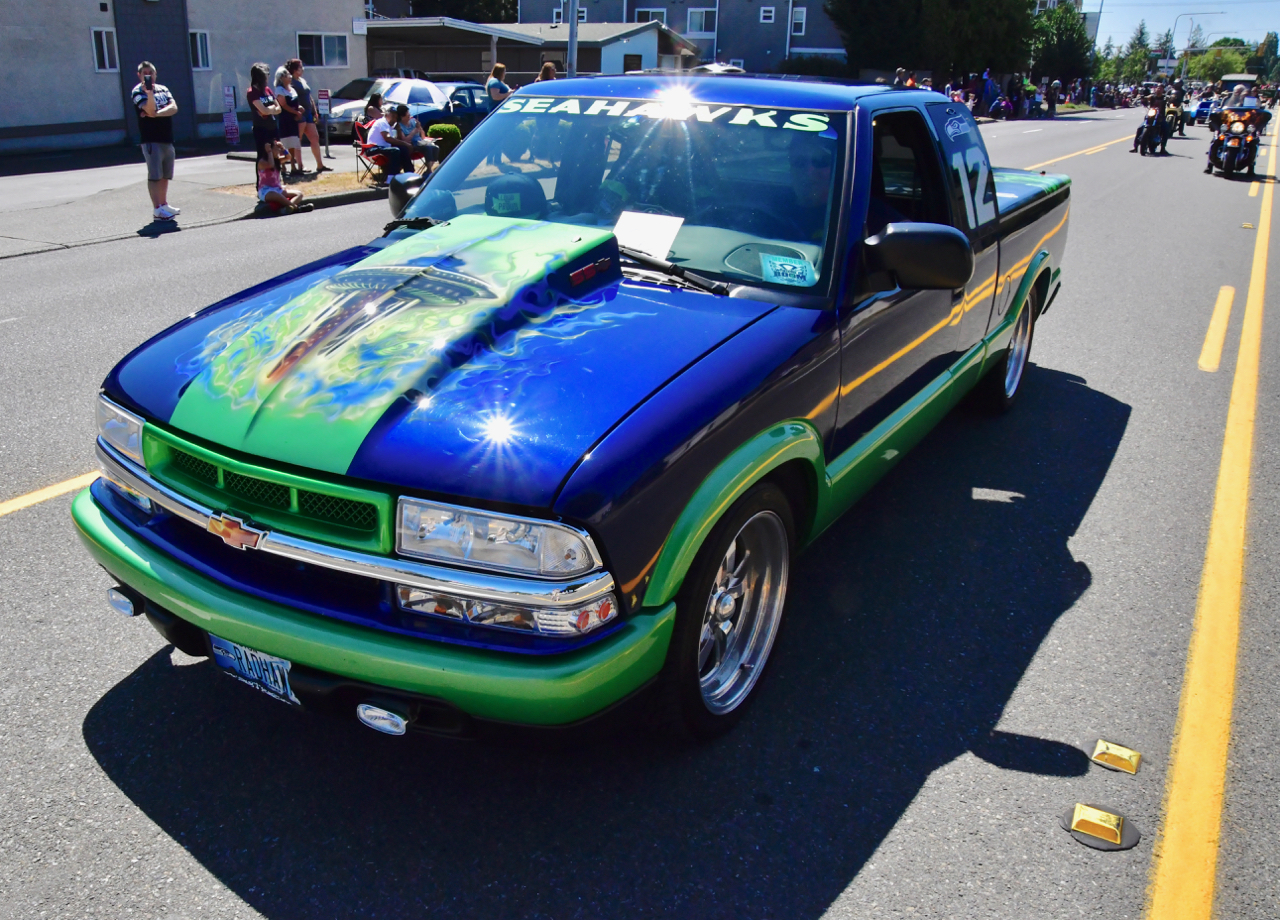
{"x": 163, "y": 213}
{"x": 175, "y": 210}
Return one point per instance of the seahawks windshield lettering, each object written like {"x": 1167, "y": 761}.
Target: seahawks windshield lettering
{"x": 677, "y": 110}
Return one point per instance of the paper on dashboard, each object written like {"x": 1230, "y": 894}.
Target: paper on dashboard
{"x": 653, "y": 234}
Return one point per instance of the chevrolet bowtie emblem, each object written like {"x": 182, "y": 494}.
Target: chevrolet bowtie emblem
{"x": 234, "y": 532}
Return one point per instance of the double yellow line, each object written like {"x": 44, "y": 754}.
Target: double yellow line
{"x": 1185, "y": 861}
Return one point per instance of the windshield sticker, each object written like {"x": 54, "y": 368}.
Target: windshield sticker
{"x": 784, "y": 270}
{"x": 955, "y": 127}
{"x": 677, "y": 110}
{"x": 651, "y": 233}
{"x": 506, "y": 203}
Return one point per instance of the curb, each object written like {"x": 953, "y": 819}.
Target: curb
{"x": 355, "y": 196}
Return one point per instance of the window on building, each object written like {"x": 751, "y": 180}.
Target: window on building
{"x": 557, "y": 16}
{"x": 632, "y": 62}
{"x": 798, "y": 17}
{"x": 1041, "y": 6}
{"x": 582, "y": 14}
{"x": 766, "y": 14}
{"x": 104, "y": 51}
{"x": 737, "y": 62}
{"x": 200, "y": 51}
{"x": 316, "y": 49}
{"x": 651, "y": 15}
{"x": 702, "y": 21}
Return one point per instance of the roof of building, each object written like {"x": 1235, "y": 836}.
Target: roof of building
{"x": 590, "y": 34}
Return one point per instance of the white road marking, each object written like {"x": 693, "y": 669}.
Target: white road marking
{"x": 11, "y": 319}
{"x": 1033, "y": 131}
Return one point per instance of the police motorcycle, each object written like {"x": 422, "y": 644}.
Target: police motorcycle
{"x": 1234, "y": 147}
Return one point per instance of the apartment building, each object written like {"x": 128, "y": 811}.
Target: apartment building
{"x": 78, "y": 59}
{"x": 754, "y": 34}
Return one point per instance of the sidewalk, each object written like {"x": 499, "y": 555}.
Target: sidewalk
{"x": 40, "y": 211}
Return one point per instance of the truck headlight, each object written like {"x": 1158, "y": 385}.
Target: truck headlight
{"x": 568, "y": 621}
{"x": 121, "y": 429}
{"x": 505, "y": 543}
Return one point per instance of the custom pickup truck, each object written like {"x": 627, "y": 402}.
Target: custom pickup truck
{"x": 551, "y": 443}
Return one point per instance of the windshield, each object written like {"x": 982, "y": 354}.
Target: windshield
{"x": 356, "y": 89}
{"x": 743, "y": 195}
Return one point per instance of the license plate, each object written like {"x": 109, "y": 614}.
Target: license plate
{"x": 257, "y": 669}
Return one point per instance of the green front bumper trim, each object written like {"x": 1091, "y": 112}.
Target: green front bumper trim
{"x": 541, "y": 690}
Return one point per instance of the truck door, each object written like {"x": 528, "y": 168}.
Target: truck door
{"x": 973, "y": 211}
{"x": 893, "y": 342}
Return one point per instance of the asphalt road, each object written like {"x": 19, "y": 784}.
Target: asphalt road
{"x": 948, "y": 662}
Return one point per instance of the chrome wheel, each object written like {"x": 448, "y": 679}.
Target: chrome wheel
{"x": 1019, "y": 348}
{"x": 742, "y": 612}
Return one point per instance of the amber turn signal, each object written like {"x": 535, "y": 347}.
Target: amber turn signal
{"x": 1116, "y": 756}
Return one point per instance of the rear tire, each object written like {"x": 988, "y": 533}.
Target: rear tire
{"x": 999, "y": 389}
{"x": 728, "y": 614}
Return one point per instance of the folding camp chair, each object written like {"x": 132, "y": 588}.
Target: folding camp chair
{"x": 369, "y": 163}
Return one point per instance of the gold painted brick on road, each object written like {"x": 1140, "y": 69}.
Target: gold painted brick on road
{"x": 1097, "y": 823}
{"x": 1116, "y": 756}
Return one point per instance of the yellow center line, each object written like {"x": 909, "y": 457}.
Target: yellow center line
{"x": 1185, "y": 856}
{"x": 1211, "y": 352}
{"x": 43, "y": 495}
{"x": 1094, "y": 149}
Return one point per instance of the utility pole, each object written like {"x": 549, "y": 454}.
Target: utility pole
{"x": 572, "y": 63}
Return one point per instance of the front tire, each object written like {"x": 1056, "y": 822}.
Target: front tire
{"x": 728, "y": 614}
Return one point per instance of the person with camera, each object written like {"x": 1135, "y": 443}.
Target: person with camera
{"x": 156, "y": 108}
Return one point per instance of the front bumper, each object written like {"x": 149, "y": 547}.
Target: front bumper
{"x": 545, "y": 690}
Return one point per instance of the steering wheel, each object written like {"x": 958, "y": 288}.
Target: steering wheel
{"x": 748, "y": 218}
{"x": 649, "y": 208}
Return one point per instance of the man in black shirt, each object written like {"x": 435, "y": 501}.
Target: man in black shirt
{"x": 156, "y": 108}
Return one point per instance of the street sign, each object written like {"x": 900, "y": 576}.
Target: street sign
{"x": 231, "y": 127}
{"x": 228, "y": 98}
{"x": 359, "y": 27}
{"x": 322, "y": 102}
{"x": 1168, "y": 63}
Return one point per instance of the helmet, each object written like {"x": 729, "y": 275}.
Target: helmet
{"x": 1178, "y": 81}
{"x": 515, "y": 195}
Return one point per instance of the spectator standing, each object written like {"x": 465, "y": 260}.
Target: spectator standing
{"x": 382, "y": 138}
{"x": 307, "y": 131}
{"x": 287, "y": 99}
{"x": 494, "y": 88}
{"x": 548, "y": 72}
{"x": 264, "y": 108}
{"x": 900, "y": 78}
{"x": 156, "y": 108}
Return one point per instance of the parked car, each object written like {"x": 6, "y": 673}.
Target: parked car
{"x": 467, "y": 105}
{"x": 341, "y": 116}
{"x": 552, "y": 443}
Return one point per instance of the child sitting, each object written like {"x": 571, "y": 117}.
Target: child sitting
{"x": 271, "y": 190}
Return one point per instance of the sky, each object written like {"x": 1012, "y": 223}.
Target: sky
{"x": 1246, "y": 19}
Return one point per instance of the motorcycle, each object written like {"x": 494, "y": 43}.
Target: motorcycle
{"x": 1151, "y": 134}
{"x": 1234, "y": 148}
{"x": 1172, "y": 119}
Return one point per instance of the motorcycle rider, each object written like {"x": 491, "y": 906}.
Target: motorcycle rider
{"x": 1235, "y": 99}
{"x": 1157, "y": 101}
{"x": 1177, "y": 98}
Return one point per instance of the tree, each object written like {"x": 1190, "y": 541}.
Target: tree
{"x": 1210, "y": 67}
{"x": 1137, "y": 55}
{"x": 1163, "y": 42}
{"x": 1196, "y": 40}
{"x": 945, "y": 36}
{"x": 471, "y": 10}
{"x": 1060, "y": 45}
{"x": 1229, "y": 43}
{"x": 1104, "y": 63}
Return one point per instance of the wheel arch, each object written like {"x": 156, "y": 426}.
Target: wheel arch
{"x": 789, "y": 454}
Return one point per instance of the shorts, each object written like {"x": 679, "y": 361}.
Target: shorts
{"x": 291, "y": 143}
{"x": 264, "y": 190}
{"x": 159, "y": 159}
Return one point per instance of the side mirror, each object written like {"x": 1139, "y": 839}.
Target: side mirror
{"x": 921, "y": 256}
{"x": 401, "y": 190}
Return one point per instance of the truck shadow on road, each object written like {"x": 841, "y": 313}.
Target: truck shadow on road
{"x": 911, "y": 623}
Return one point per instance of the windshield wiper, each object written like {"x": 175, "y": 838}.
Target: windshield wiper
{"x": 412, "y": 223}
{"x": 675, "y": 271}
